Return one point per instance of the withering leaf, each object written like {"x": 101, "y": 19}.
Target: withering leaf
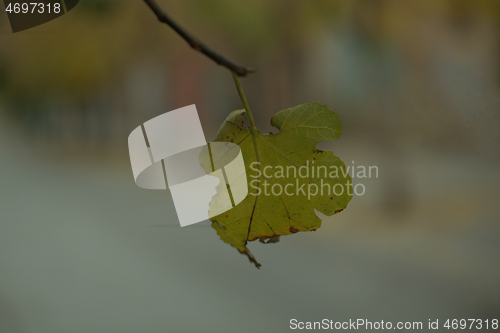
{"x": 282, "y": 196}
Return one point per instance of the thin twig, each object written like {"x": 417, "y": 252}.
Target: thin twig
{"x": 253, "y": 130}
{"x": 243, "y": 99}
{"x": 195, "y": 43}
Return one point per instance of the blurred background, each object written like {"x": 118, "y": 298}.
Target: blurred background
{"x": 415, "y": 83}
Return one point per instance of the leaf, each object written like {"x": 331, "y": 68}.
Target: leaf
{"x": 268, "y": 215}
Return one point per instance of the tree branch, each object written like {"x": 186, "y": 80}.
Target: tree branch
{"x": 195, "y": 43}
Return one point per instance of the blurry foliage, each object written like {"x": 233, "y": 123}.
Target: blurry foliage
{"x": 365, "y": 56}
{"x": 97, "y": 6}
{"x": 101, "y": 37}
{"x": 80, "y": 55}
{"x": 260, "y": 25}
{"x": 92, "y": 45}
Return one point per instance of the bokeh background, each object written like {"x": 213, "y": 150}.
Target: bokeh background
{"x": 415, "y": 83}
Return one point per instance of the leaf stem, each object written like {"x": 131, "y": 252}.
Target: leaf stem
{"x": 253, "y": 129}
{"x": 253, "y": 132}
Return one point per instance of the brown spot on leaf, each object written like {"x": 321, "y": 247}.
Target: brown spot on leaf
{"x": 293, "y": 230}
{"x": 338, "y": 211}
